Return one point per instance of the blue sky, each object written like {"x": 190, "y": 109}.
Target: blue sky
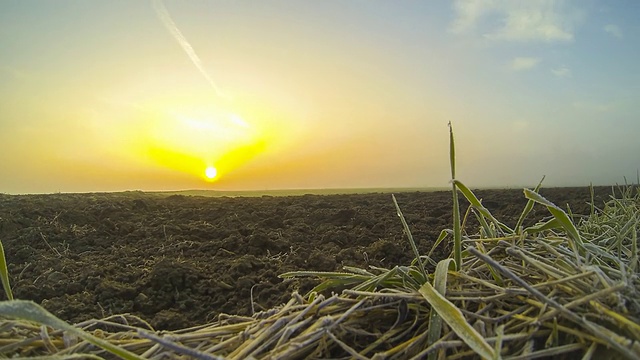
{"x": 121, "y": 95}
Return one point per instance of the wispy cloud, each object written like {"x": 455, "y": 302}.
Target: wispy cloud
{"x": 511, "y": 20}
{"x": 170, "y": 25}
{"x": 614, "y": 30}
{"x": 468, "y": 13}
{"x": 523, "y": 63}
{"x": 561, "y": 72}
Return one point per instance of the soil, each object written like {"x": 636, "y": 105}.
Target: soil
{"x": 179, "y": 261}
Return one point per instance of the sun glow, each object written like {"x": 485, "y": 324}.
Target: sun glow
{"x": 190, "y": 140}
{"x": 211, "y": 172}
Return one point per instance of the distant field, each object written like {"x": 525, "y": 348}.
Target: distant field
{"x": 294, "y": 192}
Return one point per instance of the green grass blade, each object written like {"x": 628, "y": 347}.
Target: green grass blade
{"x": 4, "y": 274}
{"x": 441, "y": 237}
{"x": 452, "y": 152}
{"x": 456, "y": 321}
{"x": 471, "y": 197}
{"x": 412, "y": 276}
{"x": 408, "y": 232}
{"x": 332, "y": 284}
{"x": 559, "y": 214}
{"x": 457, "y": 229}
{"x": 331, "y": 279}
{"x": 527, "y": 209}
{"x": 592, "y": 204}
{"x": 440, "y": 276}
{"x": 324, "y": 274}
{"x": 552, "y": 224}
{"x": 356, "y": 270}
{"x": 435, "y": 321}
{"x": 375, "y": 281}
{"x": 30, "y": 311}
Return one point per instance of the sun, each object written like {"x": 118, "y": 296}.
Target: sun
{"x": 211, "y": 172}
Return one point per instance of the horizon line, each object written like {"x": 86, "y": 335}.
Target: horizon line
{"x": 303, "y": 191}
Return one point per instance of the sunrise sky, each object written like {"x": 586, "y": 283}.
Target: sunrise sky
{"x": 161, "y": 95}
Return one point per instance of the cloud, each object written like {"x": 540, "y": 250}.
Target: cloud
{"x": 561, "y": 72}
{"x": 614, "y": 30}
{"x": 524, "y": 63}
{"x": 468, "y": 13}
{"x": 516, "y": 20}
{"x": 171, "y": 26}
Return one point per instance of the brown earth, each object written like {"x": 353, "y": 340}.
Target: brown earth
{"x": 179, "y": 261}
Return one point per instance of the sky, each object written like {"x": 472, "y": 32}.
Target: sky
{"x": 285, "y": 94}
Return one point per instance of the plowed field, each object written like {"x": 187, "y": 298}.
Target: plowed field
{"x": 179, "y": 261}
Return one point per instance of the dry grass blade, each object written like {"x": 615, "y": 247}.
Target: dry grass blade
{"x": 63, "y": 357}
{"x": 180, "y": 349}
{"x": 30, "y": 311}
{"x": 596, "y": 330}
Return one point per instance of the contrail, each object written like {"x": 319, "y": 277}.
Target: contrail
{"x": 168, "y": 23}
